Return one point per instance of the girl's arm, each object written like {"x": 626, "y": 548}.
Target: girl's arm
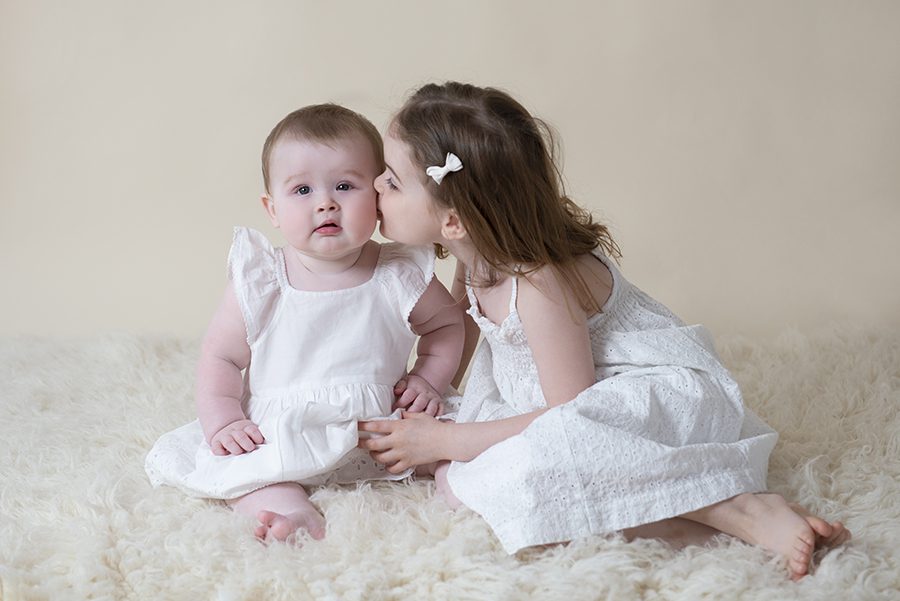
{"x": 439, "y": 322}
{"x": 224, "y": 352}
{"x": 418, "y": 438}
{"x": 458, "y": 291}
{"x": 556, "y": 329}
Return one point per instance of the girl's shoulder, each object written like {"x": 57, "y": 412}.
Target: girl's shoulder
{"x": 550, "y": 288}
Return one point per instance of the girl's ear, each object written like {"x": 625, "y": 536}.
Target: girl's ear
{"x": 269, "y": 206}
{"x": 452, "y": 227}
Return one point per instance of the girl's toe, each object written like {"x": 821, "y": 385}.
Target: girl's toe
{"x": 798, "y": 567}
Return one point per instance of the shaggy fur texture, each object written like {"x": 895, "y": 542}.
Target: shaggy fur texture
{"x": 80, "y": 521}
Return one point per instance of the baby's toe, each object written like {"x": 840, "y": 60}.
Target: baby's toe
{"x": 266, "y": 517}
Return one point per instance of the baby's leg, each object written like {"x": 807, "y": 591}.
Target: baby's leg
{"x": 767, "y": 520}
{"x": 281, "y": 509}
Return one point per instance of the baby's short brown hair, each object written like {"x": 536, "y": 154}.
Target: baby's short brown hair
{"x": 322, "y": 123}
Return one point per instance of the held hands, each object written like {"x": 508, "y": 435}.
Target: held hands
{"x": 415, "y": 394}
{"x": 236, "y": 438}
{"x": 404, "y": 443}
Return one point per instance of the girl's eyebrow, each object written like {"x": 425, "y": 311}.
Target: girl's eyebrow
{"x": 394, "y": 173}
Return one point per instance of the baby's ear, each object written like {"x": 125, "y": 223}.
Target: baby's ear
{"x": 452, "y": 227}
{"x": 269, "y": 206}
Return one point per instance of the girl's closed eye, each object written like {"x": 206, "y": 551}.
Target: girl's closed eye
{"x": 390, "y": 183}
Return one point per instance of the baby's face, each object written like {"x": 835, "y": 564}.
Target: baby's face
{"x": 321, "y": 196}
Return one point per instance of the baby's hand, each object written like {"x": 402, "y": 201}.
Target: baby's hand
{"x": 236, "y": 438}
{"x": 415, "y": 394}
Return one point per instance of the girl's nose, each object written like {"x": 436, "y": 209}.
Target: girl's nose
{"x": 377, "y": 184}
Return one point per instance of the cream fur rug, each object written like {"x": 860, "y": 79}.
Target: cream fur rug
{"x": 78, "y": 519}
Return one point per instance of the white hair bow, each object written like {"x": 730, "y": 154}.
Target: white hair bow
{"x": 451, "y": 163}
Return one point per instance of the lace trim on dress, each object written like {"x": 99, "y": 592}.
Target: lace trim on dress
{"x": 407, "y": 273}
{"x": 253, "y": 273}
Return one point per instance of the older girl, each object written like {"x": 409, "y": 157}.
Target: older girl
{"x": 591, "y": 408}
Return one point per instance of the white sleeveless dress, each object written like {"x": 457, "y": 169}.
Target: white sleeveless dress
{"x": 320, "y": 361}
{"x": 662, "y": 432}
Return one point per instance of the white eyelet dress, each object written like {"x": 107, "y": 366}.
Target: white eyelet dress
{"x": 320, "y": 361}
{"x": 662, "y": 432}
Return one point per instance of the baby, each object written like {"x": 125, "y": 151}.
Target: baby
{"x": 311, "y": 337}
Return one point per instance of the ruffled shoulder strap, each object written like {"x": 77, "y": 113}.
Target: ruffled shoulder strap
{"x": 253, "y": 270}
{"x": 406, "y": 271}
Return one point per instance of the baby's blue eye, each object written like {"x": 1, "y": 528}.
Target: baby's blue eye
{"x": 303, "y": 190}
{"x": 343, "y": 187}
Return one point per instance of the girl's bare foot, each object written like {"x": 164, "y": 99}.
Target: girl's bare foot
{"x": 274, "y": 526}
{"x": 839, "y": 533}
{"x": 768, "y": 521}
{"x": 677, "y": 532}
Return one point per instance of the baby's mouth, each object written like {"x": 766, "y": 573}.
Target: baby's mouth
{"x": 328, "y": 226}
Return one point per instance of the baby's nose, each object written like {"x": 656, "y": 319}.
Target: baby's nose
{"x": 328, "y": 203}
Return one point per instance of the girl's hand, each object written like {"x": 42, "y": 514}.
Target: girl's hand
{"x": 236, "y": 438}
{"x": 415, "y": 394}
{"x": 400, "y": 444}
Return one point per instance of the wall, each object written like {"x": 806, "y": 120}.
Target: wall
{"x": 745, "y": 153}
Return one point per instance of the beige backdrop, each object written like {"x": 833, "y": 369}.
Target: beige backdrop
{"x": 746, "y": 154}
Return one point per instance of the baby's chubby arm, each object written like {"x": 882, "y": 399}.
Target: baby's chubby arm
{"x": 438, "y": 321}
{"x": 458, "y": 292}
{"x": 223, "y": 354}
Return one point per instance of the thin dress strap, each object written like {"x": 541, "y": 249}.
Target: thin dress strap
{"x": 514, "y": 293}
{"x": 473, "y": 302}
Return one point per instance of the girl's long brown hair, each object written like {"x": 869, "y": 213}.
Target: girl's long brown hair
{"x": 509, "y": 194}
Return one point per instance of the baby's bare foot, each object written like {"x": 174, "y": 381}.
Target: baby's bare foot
{"x": 275, "y": 526}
